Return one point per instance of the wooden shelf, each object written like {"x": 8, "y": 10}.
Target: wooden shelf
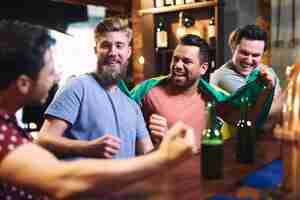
{"x": 177, "y": 8}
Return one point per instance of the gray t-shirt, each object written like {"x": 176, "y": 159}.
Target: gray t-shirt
{"x": 93, "y": 112}
{"x": 229, "y": 80}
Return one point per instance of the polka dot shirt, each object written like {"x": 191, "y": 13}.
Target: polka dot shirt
{"x": 12, "y": 136}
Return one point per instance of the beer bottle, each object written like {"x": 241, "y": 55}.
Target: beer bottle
{"x": 246, "y": 136}
{"x": 212, "y": 145}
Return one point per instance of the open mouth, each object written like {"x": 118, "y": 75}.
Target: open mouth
{"x": 178, "y": 73}
{"x": 112, "y": 62}
{"x": 246, "y": 66}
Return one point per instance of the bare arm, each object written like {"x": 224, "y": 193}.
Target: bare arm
{"x": 51, "y": 137}
{"x": 84, "y": 178}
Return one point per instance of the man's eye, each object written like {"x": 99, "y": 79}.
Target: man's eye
{"x": 105, "y": 45}
{"x": 120, "y": 46}
{"x": 187, "y": 61}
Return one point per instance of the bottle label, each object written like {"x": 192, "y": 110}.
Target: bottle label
{"x": 211, "y": 31}
{"x": 162, "y": 39}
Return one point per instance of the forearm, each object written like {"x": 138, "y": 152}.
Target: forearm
{"x": 112, "y": 180}
{"x": 62, "y": 146}
{"x": 77, "y": 179}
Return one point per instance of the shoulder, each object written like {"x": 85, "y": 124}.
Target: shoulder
{"x": 224, "y": 70}
{"x": 79, "y": 84}
{"x": 141, "y": 90}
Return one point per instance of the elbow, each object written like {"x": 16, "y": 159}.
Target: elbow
{"x": 43, "y": 140}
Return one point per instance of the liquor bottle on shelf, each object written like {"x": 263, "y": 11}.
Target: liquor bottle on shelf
{"x": 161, "y": 34}
{"x": 181, "y": 29}
{"x": 169, "y": 2}
{"x": 159, "y": 3}
{"x": 179, "y": 2}
{"x": 246, "y": 135}
{"x": 211, "y": 35}
{"x": 211, "y": 30}
{"x": 212, "y": 145}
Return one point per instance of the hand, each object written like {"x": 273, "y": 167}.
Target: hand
{"x": 178, "y": 144}
{"x": 104, "y": 147}
{"x": 267, "y": 77}
{"x": 158, "y": 126}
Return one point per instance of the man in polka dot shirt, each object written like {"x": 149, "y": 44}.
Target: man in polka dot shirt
{"x": 28, "y": 171}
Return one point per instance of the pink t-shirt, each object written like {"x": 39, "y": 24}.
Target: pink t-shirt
{"x": 189, "y": 109}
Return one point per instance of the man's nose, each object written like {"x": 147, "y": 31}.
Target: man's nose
{"x": 179, "y": 64}
{"x": 112, "y": 50}
{"x": 250, "y": 59}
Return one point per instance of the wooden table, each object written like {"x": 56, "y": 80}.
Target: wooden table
{"x": 268, "y": 149}
{"x": 184, "y": 182}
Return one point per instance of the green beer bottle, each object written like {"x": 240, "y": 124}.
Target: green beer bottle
{"x": 246, "y": 136}
{"x": 212, "y": 145}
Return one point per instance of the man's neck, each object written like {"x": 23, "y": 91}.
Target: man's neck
{"x": 108, "y": 85}
{"x": 175, "y": 90}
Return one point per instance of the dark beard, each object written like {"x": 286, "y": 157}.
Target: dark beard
{"x": 107, "y": 79}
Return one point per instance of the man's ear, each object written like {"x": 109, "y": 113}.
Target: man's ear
{"x": 24, "y": 84}
{"x": 203, "y": 68}
{"x": 129, "y": 52}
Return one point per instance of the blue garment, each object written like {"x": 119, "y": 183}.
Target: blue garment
{"x": 93, "y": 112}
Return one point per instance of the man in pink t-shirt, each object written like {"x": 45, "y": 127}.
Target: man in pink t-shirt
{"x": 177, "y": 98}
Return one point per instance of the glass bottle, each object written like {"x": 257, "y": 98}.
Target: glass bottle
{"x": 246, "y": 136}
{"x": 212, "y": 145}
{"x": 161, "y": 34}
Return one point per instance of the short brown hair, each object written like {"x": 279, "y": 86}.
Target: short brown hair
{"x": 112, "y": 24}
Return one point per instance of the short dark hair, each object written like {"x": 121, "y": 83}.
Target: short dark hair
{"x": 194, "y": 40}
{"x": 22, "y": 50}
{"x": 252, "y": 32}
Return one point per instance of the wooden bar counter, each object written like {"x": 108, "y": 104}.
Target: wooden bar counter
{"x": 184, "y": 182}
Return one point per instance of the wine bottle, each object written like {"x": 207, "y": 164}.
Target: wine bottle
{"x": 212, "y": 145}
{"x": 211, "y": 35}
{"x": 159, "y": 3}
{"x": 246, "y": 136}
{"x": 161, "y": 34}
{"x": 211, "y": 30}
